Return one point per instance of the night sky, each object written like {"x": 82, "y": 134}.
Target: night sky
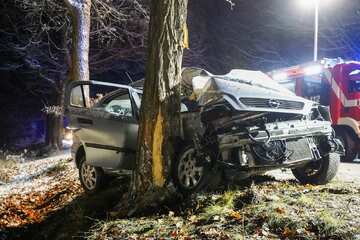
{"x": 263, "y": 34}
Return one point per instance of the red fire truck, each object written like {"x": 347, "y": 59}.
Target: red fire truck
{"x": 334, "y": 83}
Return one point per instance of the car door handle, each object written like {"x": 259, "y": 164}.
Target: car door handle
{"x": 85, "y": 121}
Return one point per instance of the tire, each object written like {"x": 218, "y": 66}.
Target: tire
{"x": 346, "y": 140}
{"x": 91, "y": 178}
{"x": 189, "y": 175}
{"x": 318, "y": 172}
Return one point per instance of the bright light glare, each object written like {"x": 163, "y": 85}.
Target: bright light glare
{"x": 313, "y": 70}
{"x": 307, "y": 3}
{"x": 68, "y": 135}
{"x": 67, "y": 143}
{"x": 280, "y": 76}
{"x": 311, "y": 3}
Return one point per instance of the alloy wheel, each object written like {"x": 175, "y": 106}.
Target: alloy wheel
{"x": 189, "y": 173}
{"x": 88, "y": 175}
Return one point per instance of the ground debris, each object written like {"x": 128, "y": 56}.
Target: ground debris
{"x": 266, "y": 210}
{"x": 263, "y": 208}
{"x": 37, "y": 189}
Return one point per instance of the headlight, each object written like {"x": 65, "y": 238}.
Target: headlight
{"x": 320, "y": 112}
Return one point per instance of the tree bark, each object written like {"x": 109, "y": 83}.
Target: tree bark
{"x": 80, "y": 15}
{"x": 55, "y": 120}
{"x": 77, "y": 61}
{"x": 160, "y": 109}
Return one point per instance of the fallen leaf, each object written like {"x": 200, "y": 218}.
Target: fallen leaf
{"x": 288, "y": 233}
{"x": 193, "y": 219}
{"x": 235, "y": 215}
{"x": 280, "y": 210}
{"x": 173, "y": 234}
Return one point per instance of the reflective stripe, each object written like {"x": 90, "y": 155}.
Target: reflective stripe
{"x": 338, "y": 92}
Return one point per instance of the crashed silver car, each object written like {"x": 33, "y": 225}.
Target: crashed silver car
{"x": 239, "y": 124}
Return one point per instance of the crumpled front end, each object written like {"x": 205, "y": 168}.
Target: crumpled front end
{"x": 249, "y": 121}
{"x": 250, "y": 91}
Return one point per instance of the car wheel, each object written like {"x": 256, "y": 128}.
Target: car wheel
{"x": 190, "y": 172}
{"x": 345, "y": 139}
{"x": 318, "y": 172}
{"x": 91, "y": 177}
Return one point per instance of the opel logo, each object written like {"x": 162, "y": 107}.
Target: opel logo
{"x": 274, "y": 103}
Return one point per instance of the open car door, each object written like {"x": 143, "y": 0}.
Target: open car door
{"x": 105, "y": 119}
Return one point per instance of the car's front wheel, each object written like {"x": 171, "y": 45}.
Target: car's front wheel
{"x": 318, "y": 172}
{"x": 91, "y": 178}
{"x": 190, "y": 171}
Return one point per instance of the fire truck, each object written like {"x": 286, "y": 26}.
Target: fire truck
{"x": 334, "y": 83}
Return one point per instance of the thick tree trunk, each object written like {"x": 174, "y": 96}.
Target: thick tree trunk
{"x": 78, "y": 64}
{"x": 52, "y": 132}
{"x": 80, "y": 15}
{"x": 77, "y": 61}
{"x": 160, "y": 110}
{"x": 55, "y": 120}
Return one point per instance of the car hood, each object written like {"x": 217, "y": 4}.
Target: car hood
{"x": 249, "y": 91}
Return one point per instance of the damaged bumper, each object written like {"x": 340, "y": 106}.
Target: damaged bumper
{"x": 275, "y": 131}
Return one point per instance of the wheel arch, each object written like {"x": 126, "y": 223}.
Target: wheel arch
{"x": 341, "y": 128}
{"x": 79, "y": 154}
{"x": 350, "y": 125}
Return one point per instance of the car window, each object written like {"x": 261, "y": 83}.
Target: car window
{"x": 119, "y": 105}
{"x": 76, "y": 98}
{"x": 88, "y": 96}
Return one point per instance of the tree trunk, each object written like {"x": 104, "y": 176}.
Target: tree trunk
{"x": 55, "y": 120}
{"x": 54, "y": 129}
{"x": 160, "y": 109}
{"x": 77, "y": 61}
{"x": 78, "y": 65}
{"x": 80, "y": 15}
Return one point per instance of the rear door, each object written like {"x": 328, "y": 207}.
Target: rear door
{"x": 105, "y": 122}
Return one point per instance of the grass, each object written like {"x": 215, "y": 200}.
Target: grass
{"x": 59, "y": 167}
{"x": 266, "y": 210}
{"x": 272, "y": 210}
{"x": 224, "y": 205}
{"x": 327, "y": 224}
{"x": 305, "y": 201}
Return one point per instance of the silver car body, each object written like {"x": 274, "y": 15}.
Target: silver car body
{"x": 250, "y": 91}
{"x": 109, "y": 140}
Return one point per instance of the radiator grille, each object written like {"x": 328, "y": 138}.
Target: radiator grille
{"x": 272, "y": 103}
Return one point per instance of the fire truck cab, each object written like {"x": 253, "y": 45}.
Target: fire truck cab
{"x": 334, "y": 83}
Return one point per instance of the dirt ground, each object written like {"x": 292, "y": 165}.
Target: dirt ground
{"x": 42, "y": 199}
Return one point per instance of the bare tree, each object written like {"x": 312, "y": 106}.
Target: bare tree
{"x": 80, "y": 17}
{"x": 38, "y": 33}
{"x": 160, "y": 110}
